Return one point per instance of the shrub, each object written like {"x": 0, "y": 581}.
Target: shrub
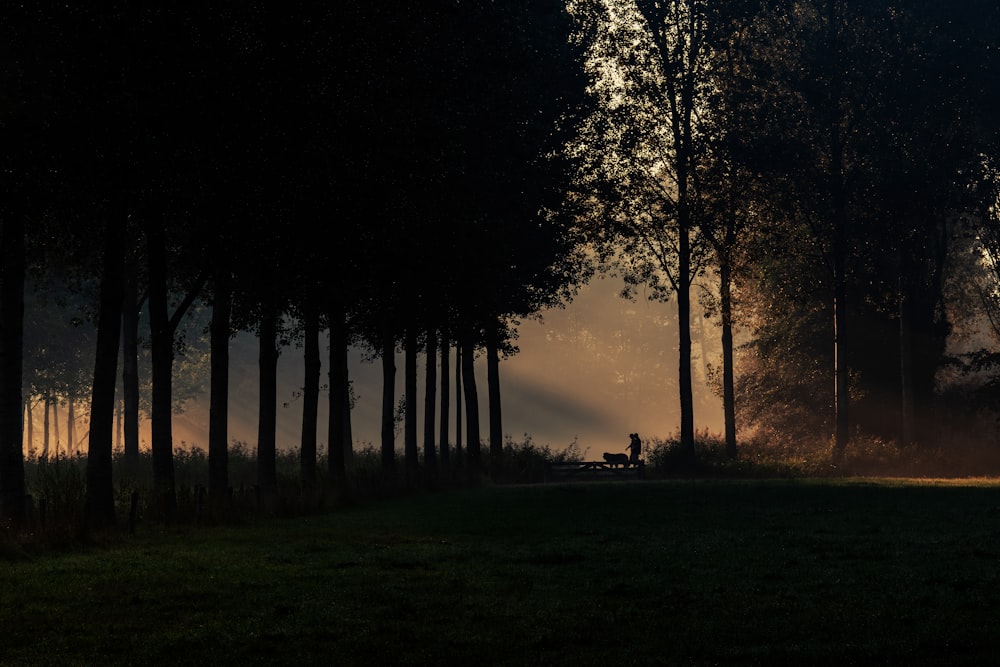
{"x": 58, "y": 487}
{"x": 524, "y": 461}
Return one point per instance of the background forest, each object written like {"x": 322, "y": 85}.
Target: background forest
{"x": 819, "y": 178}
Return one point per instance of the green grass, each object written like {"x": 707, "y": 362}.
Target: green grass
{"x": 803, "y": 572}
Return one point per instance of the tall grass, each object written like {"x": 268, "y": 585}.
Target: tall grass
{"x": 57, "y": 485}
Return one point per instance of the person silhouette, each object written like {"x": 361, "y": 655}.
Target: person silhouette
{"x": 635, "y": 447}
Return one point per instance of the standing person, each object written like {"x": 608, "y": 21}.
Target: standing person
{"x": 636, "y": 448}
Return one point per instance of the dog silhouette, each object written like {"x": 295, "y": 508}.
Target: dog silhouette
{"x": 616, "y": 459}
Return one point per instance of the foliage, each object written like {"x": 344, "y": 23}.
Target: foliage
{"x": 786, "y": 457}
{"x": 524, "y": 461}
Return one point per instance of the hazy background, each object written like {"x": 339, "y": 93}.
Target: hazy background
{"x": 593, "y": 372}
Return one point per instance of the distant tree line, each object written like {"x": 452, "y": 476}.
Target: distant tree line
{"x": 418, "y": 179}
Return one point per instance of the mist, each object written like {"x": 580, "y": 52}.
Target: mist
{"x": 589, "y": 373}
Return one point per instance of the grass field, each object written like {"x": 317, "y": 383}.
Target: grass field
{"x": 803, "y": 572}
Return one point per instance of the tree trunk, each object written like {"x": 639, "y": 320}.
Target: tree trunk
{"x": 267, "y": 417}
{"x": 685, "y": 388}
{"x": 312, "y": 367}
{"x": 46, "y": 416}
{"x": 13, "y": 507}
{"x": 493, "y": 395}
{"x": 162, "y": 358}
{"x": 430, "y": 401}
{"x": 388, "y": 403}
{"x": 445, "y": 396}
{"x": 458, "y": 403}
{"x": 471, "y": 403}
{"x": 30, "y": 421}
{"x": 340, "y": 408}
{"x": 218, "y": 410}
{"x": 410, "y": 451}
{"x": 100, "y": 485}
{"x": 55, "y": 424}
{"x": 71, "y": 419}
{"x": 728, "y": 373}
{"x": 130, "y": 359}
{"x": 346, "y": 401}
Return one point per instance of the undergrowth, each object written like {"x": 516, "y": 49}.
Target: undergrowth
{"x": 57, "y": 485}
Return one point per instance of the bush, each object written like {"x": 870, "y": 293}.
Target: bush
{"x": 755, "y": 458}
{"x": 524, "y": 462}
{"x": 58, "y": 490}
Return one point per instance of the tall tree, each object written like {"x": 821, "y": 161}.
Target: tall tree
{"x": 410, "y": 448}
{"x": 163, "y": 325}
{"x": 493, "y": 337}
{"x": 445, "y": 355}
{"x": 727, "y": 182}
{"x": 267, "y": 471}
{"x": 100, "y": 486}
{"x": 473, "y": 446}
{"x": 218, "y": 413}
{"x": 430, "y": 400}
{"x": 859, "y": 182}
{"x": 644, "y": 148}
{"x": 310, "y": 399}
{"x": 12, "y": 251}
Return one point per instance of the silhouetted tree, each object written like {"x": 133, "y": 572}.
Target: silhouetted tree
{"x": 12, "y": 482}
{"x": 644, "y": 149}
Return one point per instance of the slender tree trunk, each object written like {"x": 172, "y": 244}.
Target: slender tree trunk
{"x": 310, "y": 400}
{"x": 458, "y": 403}
{"x": 388, "y": 403}
{"x": 728, "y": 374}
{"x": 728, "y": 369}
{"x": 71, "y": 420}
{"x": 430, "y": 401}
{"x": 267, "y": 471}
{"x": 410, "y": 450}
{"x": 46, "y": 417}
{"x": 347, "y": 402}
{"x": 445, "y": 396}
{"x": 340, "y": 408}
{"x": 30, "y": 421}
{"x": 493, "y": 395}
{"x": 100, "y": 486}
{"x": 471, "y": 403}
{"x": 13, "y": 506}
{"x": 218, "y": 410}
{"x": 162, "y": 357}
{"x": 683, "y": 133}
{"x": 71, "y": 417}
{"x": 55, "y": 424}
{"x": 686, "y": 389}
{"x": 130, "y": 358}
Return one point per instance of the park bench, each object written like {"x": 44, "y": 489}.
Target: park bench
{"x": 592, "y": 470}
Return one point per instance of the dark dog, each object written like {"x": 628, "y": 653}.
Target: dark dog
{"x": 616, "y": 459}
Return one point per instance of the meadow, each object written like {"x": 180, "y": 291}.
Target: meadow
{"x": 682, "y": 572}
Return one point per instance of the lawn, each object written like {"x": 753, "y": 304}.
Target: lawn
{"x": 802, "y": 572}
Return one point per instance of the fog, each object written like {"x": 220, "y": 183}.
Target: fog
{"x": 592, "y": 372}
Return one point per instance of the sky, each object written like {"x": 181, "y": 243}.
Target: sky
{"x": 589, "y": 373}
